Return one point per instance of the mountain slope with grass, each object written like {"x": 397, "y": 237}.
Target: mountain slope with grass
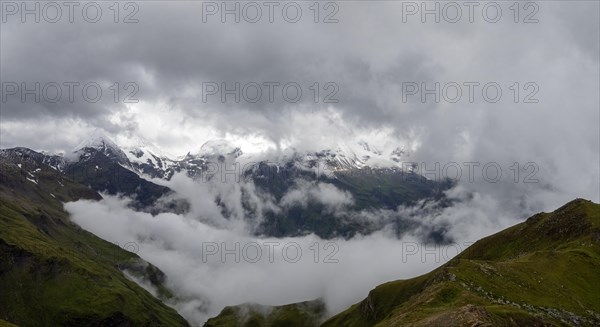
{"x": 53, "y": 273}
{"x": 542, "y": 272}
{"x": 303, "y": 314}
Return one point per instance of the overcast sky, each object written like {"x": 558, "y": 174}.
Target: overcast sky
{"x": 367, "y": 59}
{"x": 371, "y": 57}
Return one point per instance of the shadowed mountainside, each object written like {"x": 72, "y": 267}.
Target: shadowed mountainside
{"x": 53, "y": 273}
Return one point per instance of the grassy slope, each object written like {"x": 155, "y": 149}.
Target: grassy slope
{"x": 52, "y": 272}
{"x": 542, "y": 272}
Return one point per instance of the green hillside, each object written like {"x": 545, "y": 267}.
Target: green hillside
{"x": 542, "y": 272}
{"x": 303, "y": 314}
{"x": 53, "y": 273}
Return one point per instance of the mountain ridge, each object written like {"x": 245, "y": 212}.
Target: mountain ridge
{"x": 349, "y": 156}
{"x": 144, "y": 176}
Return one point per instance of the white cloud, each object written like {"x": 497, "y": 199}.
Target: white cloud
{"x": 176, "y": 244}
{"x": 327, "y": 194}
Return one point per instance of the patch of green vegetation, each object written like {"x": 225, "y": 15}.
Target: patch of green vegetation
{"x": 4, "y": 323}
{"x": 303, "y": 314}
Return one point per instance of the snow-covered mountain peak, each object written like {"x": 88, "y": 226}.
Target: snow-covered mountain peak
{"x": 98, "y": 140}
{"x": 344, "y": 156}
{"x": 369, "y": 148}
{"x": 219, "y": 147}
{"x": 138, "y": 146}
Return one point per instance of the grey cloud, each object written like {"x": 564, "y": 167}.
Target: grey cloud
{"x": 369, "y": 53}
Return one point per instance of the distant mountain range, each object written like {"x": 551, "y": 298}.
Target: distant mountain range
{"x": 373, "y": 180}
{"x": 144, "y": 157}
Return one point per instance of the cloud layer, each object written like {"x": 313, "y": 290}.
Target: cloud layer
{"x": 209, "y": 268}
